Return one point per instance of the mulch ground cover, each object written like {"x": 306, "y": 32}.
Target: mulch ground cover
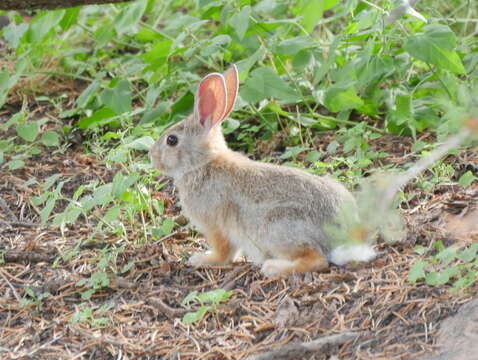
{"x": 394, "y": 319}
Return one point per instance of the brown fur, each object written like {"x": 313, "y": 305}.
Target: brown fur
{"x": 278, "y": 216}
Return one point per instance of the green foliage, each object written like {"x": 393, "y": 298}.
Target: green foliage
{"x": 447, "y": 265}
{"x": 92, "y": 315}
{"x": 208, "y": 301}
{"x": 34, "y": 299}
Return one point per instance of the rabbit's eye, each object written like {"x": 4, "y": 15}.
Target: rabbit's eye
{"x": 172, "y": 140}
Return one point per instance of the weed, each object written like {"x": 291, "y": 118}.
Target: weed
{"x": 209, "y": 301}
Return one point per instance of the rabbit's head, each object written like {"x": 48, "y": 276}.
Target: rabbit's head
{"x": 196, "y": 140}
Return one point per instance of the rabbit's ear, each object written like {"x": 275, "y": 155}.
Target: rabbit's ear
{"x": 211, "y": 100}
{"x": 231, "y": 76}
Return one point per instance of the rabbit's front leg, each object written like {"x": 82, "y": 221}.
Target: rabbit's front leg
{"x": 222, "y": 251}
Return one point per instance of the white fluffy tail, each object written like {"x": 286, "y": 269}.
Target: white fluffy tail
{"x": 346, "y": 253}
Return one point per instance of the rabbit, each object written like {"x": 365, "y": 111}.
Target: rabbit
{"x": 275, "y": 215}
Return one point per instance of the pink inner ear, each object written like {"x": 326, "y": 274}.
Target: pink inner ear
{"x": 211, "y": 100}
{"x": 206, "y": 107}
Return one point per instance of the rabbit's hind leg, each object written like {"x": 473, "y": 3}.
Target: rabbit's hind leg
{"x": 222, "y": 251}
{"x": 301, "y": 261}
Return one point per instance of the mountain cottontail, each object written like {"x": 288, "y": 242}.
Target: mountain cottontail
{"x": 276, "y": 215}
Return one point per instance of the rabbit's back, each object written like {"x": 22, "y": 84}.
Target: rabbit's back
{"x": 262, "y": 205}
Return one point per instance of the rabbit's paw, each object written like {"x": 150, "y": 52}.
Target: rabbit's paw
{"x": 276, "y": 267}
{"x": 199, "y": 259}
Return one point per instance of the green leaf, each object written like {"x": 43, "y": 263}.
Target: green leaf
{"x": 88, "y": 94}
{"x": 437, "y": 278}
{"x": 129, "y": 16}
{"x": 294, "y": 45}
{"x": 166, "y": 226}
{"x": 15, "y": 164}
{"x": 86, "y": 295}
{"x": 339, "y": 98}
{"x": 121, "y": 183}
{"x": 50, "y": 138}
{"x": 436, "y": 46}
{"x": 118, "y": 98}
{"x": 240, "y": 21}
{"x": 70, "y": 18}
{"x": 47, "y": 209}
{"x": 13, "y": 33}
{"x": 417, "y": 271}
{"x": 190, "y": 297}
{"x": 192, "y": 317}
{"x": 28, "y": 131}
{"x": 447, "y": 255}
{"x": 468, "y": 254}
{"x": 143, "y": 143}
{"x": 158, "y": 54}
{"x": 265, "y": 83}
{"x": 7, "y": 80}
{"x": 96, "y": 119}
{"x": 312, "y": 10}
{"x": 246, "y": 64}
{"x": 466, "y": 179}
{"x": 42, "y": 23}
{"x": 215, "y": 296}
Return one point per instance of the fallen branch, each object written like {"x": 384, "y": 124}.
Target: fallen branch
{"x": 16, "y": 256}
{"x": 166, "y": 309}
{"x": 301, "y": 350}
{"x": 50, "y": 4}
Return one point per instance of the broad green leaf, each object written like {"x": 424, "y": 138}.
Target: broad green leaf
{"x": 129, "y": 16}
{"x": 70, "y": 18}
{"x": 215, "y": 296}
{"x": 121, "y": 183}
{"x": 402, "y": 113}
{"x": 47, "y": 209}
{"x": 43, "y": 23}
{"x": 88, "y": 94}
{"x": 447, "y": 255}
{"x": 113, "y": 213}
{"x": 119, "y": 98}
{"x": 96, "y": 119}
{"x": 190, "y": 297}
{"x": 158, "y": 55}
{"x": 312, "y": 11}
{"x": 417, "y": 271}
{"x": 50, "y": 138}
{"x": 13, "y": 33}
{"x": 265, "y": 83}
{"x": 338, "y": 98}
{"x": 7, "y": 80}
{"x": 437, "y": 278}
{"x": 436, "y": 46}
{"x": 15, "y": 164}
{"x": 240, "y": 21}
{"x": 192, "y": 317}
{"x": 166, "y": 227}
{"x": 468, "y": 254}
{"x": 143, "y": 143}
{"x": 294, "y": 45}
{"x": 246, "y": 64}
{"x": 466, "y": 179}
{"x": 28, "y": 131}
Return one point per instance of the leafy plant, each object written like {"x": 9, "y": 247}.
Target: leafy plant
{"x": 34, "y": 298}
{"x": 209, "y": 301}
{"x": 447, "y": 265}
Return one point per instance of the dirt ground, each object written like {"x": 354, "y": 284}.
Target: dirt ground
{"x": 395, "y": 319}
